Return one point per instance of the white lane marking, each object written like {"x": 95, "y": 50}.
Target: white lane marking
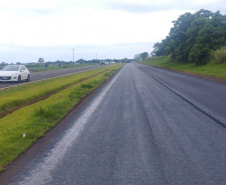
{"x": 41, "y": 174}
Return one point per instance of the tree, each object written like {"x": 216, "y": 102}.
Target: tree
{"x": 41, "y": 60}
{"x": 81, "y": 61}
{"x": 144, "y": 55}
{"x": 3, "y": 64}
{"x": 137, "y": 57}
{"x": 141, "y": 56}
{"x": 193, "y": 37}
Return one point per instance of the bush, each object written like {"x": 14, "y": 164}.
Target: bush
{"x": 219, "y": 56}
{"x": 199, "y": 54}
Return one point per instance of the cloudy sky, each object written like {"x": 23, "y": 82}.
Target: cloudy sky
{"x": 50, "y": 29}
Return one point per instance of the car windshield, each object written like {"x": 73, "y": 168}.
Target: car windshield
{"x": 11, "y": 68}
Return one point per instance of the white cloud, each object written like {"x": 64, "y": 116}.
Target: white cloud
{"x": 53, "y": 23}
{"x": 86, "y": 26}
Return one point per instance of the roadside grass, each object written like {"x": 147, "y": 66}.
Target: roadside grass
{"x": 210, "y": 69}
{"x": 20, "y": 95}
{"x": 36, "y": 119}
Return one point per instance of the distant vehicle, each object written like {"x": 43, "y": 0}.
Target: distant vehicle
{"x": 113, "y": 62}
{"x": 15, "y": 73}
{"x": 106, "y": 62}
{"x": 102, "y": 63}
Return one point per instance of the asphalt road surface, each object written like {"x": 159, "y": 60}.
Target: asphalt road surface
{"x": 145, "y": 126}
{"x": 51, "y": 74}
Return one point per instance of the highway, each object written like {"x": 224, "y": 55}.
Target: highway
{"x": 145, "y": 126}
{"x": 37, "y": 76}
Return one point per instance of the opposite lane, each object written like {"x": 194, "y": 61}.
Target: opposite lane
{"x": 50, "y": 74}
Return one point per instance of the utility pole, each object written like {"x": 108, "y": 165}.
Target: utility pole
{"x": 73, "y": 57}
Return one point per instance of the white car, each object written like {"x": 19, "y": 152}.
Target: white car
{"x": 15, "y": 73}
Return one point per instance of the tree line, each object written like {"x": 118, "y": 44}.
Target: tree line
{"x": 41, "y": 62}
{"x": 141, "y": 56}
{"x": 193, "y": 37}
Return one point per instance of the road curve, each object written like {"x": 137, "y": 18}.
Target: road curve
{"x": 50, "y": 74}
{"x": 137, "y": 129}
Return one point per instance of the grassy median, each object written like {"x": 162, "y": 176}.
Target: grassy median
{"x": 41, "y": 67}
{"x": 36, "y": 119}
{"x": 11, "y": 99}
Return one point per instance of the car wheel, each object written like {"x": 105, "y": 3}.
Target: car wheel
{"x": 28, "y": 78}
{"x": 19, "y": 79}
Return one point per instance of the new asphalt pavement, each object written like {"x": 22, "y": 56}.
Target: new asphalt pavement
{"x": 145, "y": 126}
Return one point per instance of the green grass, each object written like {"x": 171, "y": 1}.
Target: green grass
{"x": 210, "y": 69}
{"x": 41, "y": 67}
{"x": 36, "y": 119}
{"x": 56, "y": 67}
{"x": 17, "y": 96}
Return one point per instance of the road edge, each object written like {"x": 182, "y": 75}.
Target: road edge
{"x": 211, "y": 78}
